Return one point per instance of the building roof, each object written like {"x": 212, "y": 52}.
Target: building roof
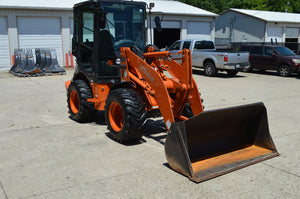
{"x": 39, "y": 4}
{"x": 270, "y": 16}
{"x": 161, "y": 6}
{"x": 176, "y": 7}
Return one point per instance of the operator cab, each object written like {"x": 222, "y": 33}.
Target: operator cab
{"x": 100, "y": 29}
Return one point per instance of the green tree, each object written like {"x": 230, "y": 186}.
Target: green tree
{"x": 277, "y": 5}
{"x": 294, "y": 6}
{"x": 215, "y": 6}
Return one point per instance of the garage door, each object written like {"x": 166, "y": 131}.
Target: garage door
{"x": 40, "y": 33}
{"x": 4, "y": 50}
{"x": 199, "y": 30}
{"x": 292, "y": 33}
{"x": 274, "y": 33}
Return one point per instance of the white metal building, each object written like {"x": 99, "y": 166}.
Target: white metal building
{"x": 240, "y": 25}
{"x": 180, "y": 21}
{"x": 49, "y": 24}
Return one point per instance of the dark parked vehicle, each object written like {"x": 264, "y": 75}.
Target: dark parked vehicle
{"x": 273, "y": 57}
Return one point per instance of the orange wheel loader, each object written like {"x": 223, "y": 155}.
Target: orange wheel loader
{"x": 128, "y": 80}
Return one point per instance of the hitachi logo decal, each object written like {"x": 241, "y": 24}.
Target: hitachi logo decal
{"x": 146, "y": 73}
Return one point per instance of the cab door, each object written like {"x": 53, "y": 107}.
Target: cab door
{"x": 83, "y": 38}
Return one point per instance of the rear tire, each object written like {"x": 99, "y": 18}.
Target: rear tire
{"x": 248, "y": 69}
{"x": 125, "y": 115}
{"x": 284, "y": 71}
{"x": 210, "y": 69}
{"x": 81, "y": 110}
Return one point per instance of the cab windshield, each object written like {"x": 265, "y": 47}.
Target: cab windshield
{"x": 126, "y": 24}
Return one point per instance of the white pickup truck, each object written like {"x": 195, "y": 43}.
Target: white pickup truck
{"x": 204, "y": 55}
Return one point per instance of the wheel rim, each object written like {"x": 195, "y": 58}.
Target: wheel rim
{"x": 74, "y": 101}
{"x": 116, "y": 116}
{"x": 208, "y": 69}
{"x": 284, "y": 71}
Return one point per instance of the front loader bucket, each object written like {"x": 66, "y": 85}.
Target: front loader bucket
{"x": 220, "y": 141}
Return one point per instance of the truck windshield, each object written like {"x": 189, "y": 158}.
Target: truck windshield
{"x": 126, "y": 24}
{"x": 284, "y": 51}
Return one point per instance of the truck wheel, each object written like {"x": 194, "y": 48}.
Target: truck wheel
{"x": 284, "y": 71}
{"x": 210, "y": 69}
{"x": 248, "y": 69}
{"x": 81, "y": 110}
{"x": 232, "y": 73}
{"x": 125, "y": 115}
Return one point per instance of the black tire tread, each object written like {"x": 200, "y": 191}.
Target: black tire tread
{"x": 134, "y": 111}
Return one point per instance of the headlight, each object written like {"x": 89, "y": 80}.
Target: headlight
{"x": 118, "y": 61}
{"x": 296, "y": 61}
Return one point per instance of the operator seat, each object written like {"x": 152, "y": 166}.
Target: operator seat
{"x": 106, "y": 46}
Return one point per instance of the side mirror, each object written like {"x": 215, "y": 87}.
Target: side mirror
{"x": 158, "y": 23}
{"x": 274, "y": 54}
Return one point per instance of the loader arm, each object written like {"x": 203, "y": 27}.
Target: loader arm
{"x": 187, "y": 90}
{"x": 180, "y": 85}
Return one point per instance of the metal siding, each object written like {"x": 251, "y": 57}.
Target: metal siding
{"x": 4, "y": 48}
{"x": 40, "y": 32}
{"x": 238, "y": 27}
{"x": 199, "y": 30}
{"x": 222, "y": 25}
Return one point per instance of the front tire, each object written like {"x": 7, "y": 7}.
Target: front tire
{"x": 81, "y": 110}
{"x": 125, "y": 115}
